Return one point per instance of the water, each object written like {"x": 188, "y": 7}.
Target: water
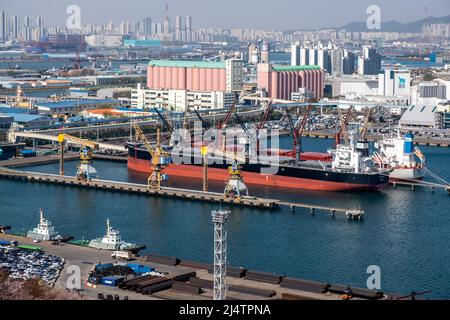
{"x": 60, "y": 63}
{"x": 404, "y": 232}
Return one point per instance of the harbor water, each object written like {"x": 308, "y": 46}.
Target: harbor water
{"x": 404, "y": 232}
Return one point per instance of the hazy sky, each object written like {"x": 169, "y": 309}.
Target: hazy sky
{"x": 273, "y": 14}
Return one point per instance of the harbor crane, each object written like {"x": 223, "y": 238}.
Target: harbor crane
{"x": 85, "y": 171}
{"x": 160, "y": 158}
{"x": 297, "y": 131}
{"x": 223, "y": 124}
{"x": 265, "y": 117}
{"x": 343, "y": 127}
{"x": 235, "y": 187}
{"x": 366, "y": 125}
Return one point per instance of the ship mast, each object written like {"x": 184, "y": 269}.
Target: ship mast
{"x": 41, "y": 214}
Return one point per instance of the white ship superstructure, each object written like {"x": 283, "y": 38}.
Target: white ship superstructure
{"x": 45, "y": 231}
{"x": 399, "y": 154}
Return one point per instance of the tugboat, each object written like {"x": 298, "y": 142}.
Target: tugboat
{"x": 398, "y": 153}
{"x": 45, "y": 231}
{"x": 112, "y": 241}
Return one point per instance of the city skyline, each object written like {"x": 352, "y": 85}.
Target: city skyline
{"x": 283, "y": 15}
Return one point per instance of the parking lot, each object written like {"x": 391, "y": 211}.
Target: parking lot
{"x": 26, "y": 264}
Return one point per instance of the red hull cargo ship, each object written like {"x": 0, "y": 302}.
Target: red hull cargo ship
{"x": 308, "y": 175}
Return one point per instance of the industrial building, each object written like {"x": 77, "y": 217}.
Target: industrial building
{"x": 180, "y": 100}
{"x": 195, "y": 75}
{"x": 394, "y": 83}
{"x": 73, "y": 107}
{"x": 421, "y": 117}
{"x": 430, "y": 92}
{"x": 279, "y": 82}
{"x": 104, "y": 41}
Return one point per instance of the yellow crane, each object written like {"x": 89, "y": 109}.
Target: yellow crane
{"x": 85, "y": 171}
{"x": 160, "y": 158}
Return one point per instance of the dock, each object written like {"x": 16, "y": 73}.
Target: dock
{"x": 167, "y": 192}
{"x": 35, "y": 161}
{"x": 351, "y": 214}
{"x": 424, "y": 184}
{"x": 244, "y": 284}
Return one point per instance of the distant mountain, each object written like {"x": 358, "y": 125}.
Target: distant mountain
{"x": 395, "y": 26}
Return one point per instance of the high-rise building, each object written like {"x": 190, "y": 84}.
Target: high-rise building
{"x": 15, "y": 27}
{"x": 166, "y": 25}
{"x": 3, "y": 26}
{"x": 304, "y": 56}
{"x": 234, "y": 75}
{"x": 188, "y": 24}
{"x": 26, "y": 21}
{"x": 154, "y": 28}
{"x": 178, "y": 28}
{"x": 323, "y": 59}
{"x": 348, "y": 63}
{"x": 125, "y": 27}
{"x": 295, "y": 54}
{"x": 336, "y": 59}
{"x": 369, "y": 62}
{"x": 40, "y": 27}
{"x": 148, "y": 26}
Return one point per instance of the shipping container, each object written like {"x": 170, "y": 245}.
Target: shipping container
{"x": 112, "y": 281}
{"x": 139, "y": 268}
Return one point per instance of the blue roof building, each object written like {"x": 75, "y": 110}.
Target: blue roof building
{"x": 73, "y": 107}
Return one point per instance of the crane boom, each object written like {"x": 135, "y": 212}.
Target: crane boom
{"x": 199, "y": 117}
{"x": 223, "y": 124}
{"x": 83, "y": 142}
{"x": 159, "y": 159}
{"x": 343, "y": 126}
{"x": 265, "y": 116}
{"x": 366, "y": 125}
{"x": 141, "y": 136}
{"x": 164, "y": 120}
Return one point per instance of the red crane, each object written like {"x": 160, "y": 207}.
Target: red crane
{"x": 343, "y": 127}
{"x": 297, "y": 132}
{"x": 366, "y": 125}
{"x": 263, "y": 121}
{"x": 265, "y": 116}
{"x": 223, "y": 124}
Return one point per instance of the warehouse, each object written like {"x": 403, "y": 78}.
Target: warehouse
{"x": 74, "y": 107}
{"x": 421, "y": 117}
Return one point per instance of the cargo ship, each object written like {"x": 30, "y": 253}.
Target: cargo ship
{"x": 349, "y": 170}
{"x": 399, "y": 154}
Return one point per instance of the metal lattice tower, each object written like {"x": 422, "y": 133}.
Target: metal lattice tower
{"x": 219, "y": 219}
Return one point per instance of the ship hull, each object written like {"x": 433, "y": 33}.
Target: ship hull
{"x": 405, "y": 174}
{"x": 287, "y": 177}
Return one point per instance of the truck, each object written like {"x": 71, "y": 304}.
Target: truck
{"x": 121, "y": 255}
